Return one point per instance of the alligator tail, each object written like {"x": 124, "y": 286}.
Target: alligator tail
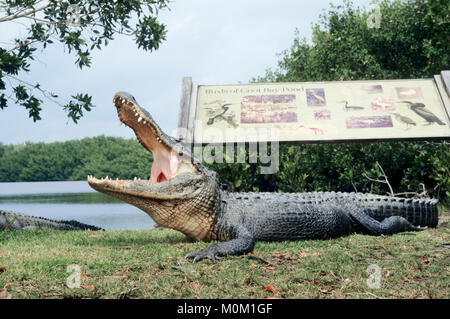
{"x": 18, "y": 221}
{"x": 76, "y": 225}
{"x": 419, "y": 212}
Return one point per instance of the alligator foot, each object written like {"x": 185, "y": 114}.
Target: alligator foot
{"x": 210, "y": 252}
{"x": 238, "y": 246}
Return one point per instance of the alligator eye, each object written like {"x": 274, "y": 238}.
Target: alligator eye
{"x": 180, "y": 153}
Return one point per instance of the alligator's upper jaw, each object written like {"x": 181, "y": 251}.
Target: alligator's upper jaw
{"x": 169, "y": 159}
{"x": 149, "y": 134}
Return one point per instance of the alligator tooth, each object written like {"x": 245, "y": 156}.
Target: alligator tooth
{"x": 139, "y": 119}
{"x": 144, "y": 122}
{"x": 135, "y": 178}
{"x": 136, "y": 113}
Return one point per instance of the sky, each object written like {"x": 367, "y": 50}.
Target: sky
{"x": 213, "y": 41}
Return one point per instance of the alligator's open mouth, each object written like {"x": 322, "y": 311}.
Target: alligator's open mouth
{"x": 169, "y": 159}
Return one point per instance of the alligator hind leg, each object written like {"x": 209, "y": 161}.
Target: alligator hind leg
{"x": 388, "y": 226}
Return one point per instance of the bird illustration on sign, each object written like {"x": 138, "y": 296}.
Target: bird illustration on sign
{"x": 351, "y": 107}
{"x": 421, "y": 110}
{"x": 404, "y": 119}
{"x": 315, "y": 97}
{"x": 218, "y": 113}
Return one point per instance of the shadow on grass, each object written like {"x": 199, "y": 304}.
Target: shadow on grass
{"x": 119, "y": 239}
{"x": 123, "y": 239}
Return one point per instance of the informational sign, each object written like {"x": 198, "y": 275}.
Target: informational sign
{"x": 315, "y": 111}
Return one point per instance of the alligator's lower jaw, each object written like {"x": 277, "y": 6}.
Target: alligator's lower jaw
{"x": 106, "y": 184}
{"x": 181, "y": 187}
{"x": 118, "y": 186}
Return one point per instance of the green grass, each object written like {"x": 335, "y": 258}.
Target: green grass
{"x": 151, "y": 264}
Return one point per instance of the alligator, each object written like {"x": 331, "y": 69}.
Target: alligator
{"x": 15, "y": 221}
{"x": 184, "y": 195}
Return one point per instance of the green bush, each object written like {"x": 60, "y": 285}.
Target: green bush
{"x": 341, "y": 167}
{"x": 73, "y": 160}
{"x": 412, "y": 42}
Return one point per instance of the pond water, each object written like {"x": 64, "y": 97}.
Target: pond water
{"x": 72, "y": 200}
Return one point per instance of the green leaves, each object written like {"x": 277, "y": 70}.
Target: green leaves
{"x": 29, "y": 102}
{"x": 21, "y": 92}
{"x": 81, "y": 27}
{"x": 3, "y": 101}
{"x": 32, "y": 104}
{"x": 10, "y": 63}
{"x": 149, "y": 33}
{"x": 75, "y": 107}
{"x": 410, "y": 43}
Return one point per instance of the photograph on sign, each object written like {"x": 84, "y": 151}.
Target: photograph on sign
{"x": 320, "y": 111}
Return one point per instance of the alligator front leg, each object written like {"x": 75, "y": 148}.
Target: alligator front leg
{"x": 241, "y": 244}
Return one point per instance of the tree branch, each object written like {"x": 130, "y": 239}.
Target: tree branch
{"x": 385, "y": 181}
{"x": 391, "y": 193}
{"x": 42, "y": 20}
{"x": 18, "y": 15}
{"x": 32, "y": 87}
{"x": 19, "y": 45}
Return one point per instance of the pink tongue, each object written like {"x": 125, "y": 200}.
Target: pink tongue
{"x": 164, "y": 166}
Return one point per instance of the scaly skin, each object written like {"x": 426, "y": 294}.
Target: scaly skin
{"x": 184, "y": 195}
{"x": 14, "y": 221}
